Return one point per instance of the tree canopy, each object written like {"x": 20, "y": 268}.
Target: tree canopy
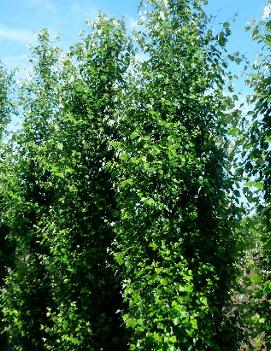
{"x": 123, "y": 224}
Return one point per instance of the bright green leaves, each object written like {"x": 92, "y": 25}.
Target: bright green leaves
{"x": 158, "y": 306}
{"x": 171, "y": 186}
{"x": 257, "y": 185}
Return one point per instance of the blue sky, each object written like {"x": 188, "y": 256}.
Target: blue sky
{"x": 19, "y": 19}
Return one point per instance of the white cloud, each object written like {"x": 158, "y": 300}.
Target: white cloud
{"x": 20, "y": 35}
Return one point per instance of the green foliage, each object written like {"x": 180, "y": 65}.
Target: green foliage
{"x": 245, "y": 307}
{"x": 5, "y": 103}
{"x": 27, "y": 293}
{"x": 78, "y": 231}
{"x": 259, "y": 161}
{"x": 4, "y": 118}
{"x": 64, "y": 291}
{"x": 175, "y": 239}
{"x": 6, "y": 249}
{"x": 118, "y": 195}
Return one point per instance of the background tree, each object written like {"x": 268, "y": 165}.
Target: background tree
{"x": 26, "y": 293}
{"x": 6, "y": 249}
{"x": 258, "y": 162}
{"x": 245, "y": 309}
{"x": 5, "y": 81}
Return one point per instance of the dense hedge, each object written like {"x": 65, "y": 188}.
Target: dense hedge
{"x": 119, "y": 217}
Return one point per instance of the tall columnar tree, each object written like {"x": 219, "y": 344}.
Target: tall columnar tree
{"x": 78, "y": 231}
{"x": 27, "y": 292}
{"x": 175, "y": 238}
{"x": 259, "y": 157}
{"x": 64, "y": 292}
